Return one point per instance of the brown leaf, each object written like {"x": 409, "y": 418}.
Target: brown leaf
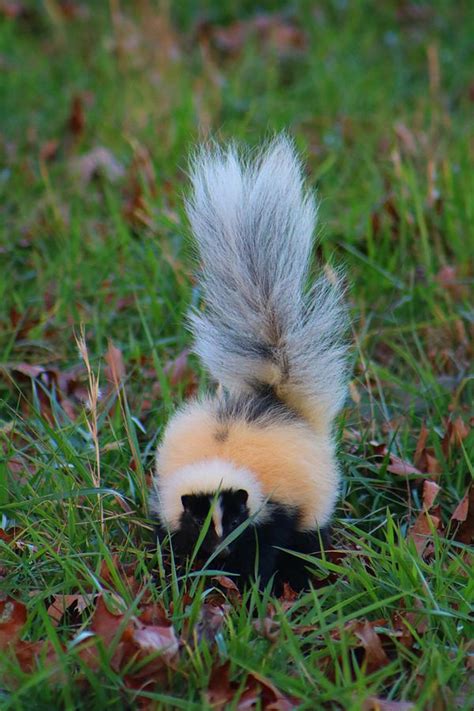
{"x": 115, "y": 370}
{"x": 456, "y": 431}
{"x": 27, "y": 654}
{"x": 464, "y": 515}
{"x": 154, "y": 638}
{"x": 61, "y": 603}
{"x": 105, "y": 624}
{"x": 375, "y": 656}
{"x": 12, "y": 619}
{"x": 420, "y": 445}
{"x": 227, "y": 584}
{"x": 401, "y": 467}
{"x": 421, "y": 531}
{"x": 272, "y": 698}
{"x": 153, "y": 613}
{"x": 219, "y": 692}
{"x": 430, "y": 492}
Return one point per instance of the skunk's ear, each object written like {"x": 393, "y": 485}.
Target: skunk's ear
{"x": 242, "y": 495}
{"x": 186, "y": 501}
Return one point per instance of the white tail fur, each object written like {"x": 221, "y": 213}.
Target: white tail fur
{"x": 254, "y": 221}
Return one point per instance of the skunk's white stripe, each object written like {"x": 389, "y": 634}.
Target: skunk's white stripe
{"x": 217, "y": 517}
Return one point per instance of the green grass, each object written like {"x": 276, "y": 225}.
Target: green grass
{"x": 379, "y": 99}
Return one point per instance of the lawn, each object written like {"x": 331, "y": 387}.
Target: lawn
{"x": 100, "y": 104}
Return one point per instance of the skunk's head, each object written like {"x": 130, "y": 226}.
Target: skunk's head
{"x": 183, "y": 499}
{"x": 222, "y": 513}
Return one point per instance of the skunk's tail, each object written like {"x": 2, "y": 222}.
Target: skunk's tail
{"x": 253, "y": 221}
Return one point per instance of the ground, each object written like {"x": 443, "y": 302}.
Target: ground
{"x": 100, "y": 105}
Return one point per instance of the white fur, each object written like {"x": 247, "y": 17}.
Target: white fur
{"x": 253, "y": 221}
{"x": 204, "y": 477}
{"x": 217, "y": 515}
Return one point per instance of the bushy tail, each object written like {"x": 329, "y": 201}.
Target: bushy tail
{"x": 253, "y": 221}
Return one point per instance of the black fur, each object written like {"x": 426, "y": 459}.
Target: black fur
{"x": 255, "y": 553}
{"x": 195, "y": 511}
{"x": 254, "y": 407}
{"x": 258, "y": 556}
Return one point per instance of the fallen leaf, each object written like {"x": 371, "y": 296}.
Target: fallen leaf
{"x": 227, "y": 584}
{"x": 421, "y": 531}
{"x": 401, "y": 467}
{"x": 61, "y": 603}
{"x": 271, "y": 697}
{"x": 420, "y": 446}
{"x": 219, "y": 692}
{"x": 153, "y": 614}
{"x": 154, "y": 638}
{"x": 456, "y": 432}
{"x": 464, "y": 515}
{"x": 28, "y": 653}
{"x": 375, "y": 656}
{"x": 105, "y": 624}
{"x": 12, "y": 619}
{"x": 430, "y": 492}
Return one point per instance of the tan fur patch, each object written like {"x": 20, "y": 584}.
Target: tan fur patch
{"x": 293, "y": 464}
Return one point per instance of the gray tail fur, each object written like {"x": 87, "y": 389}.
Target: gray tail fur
{"x": 253, "y": 220}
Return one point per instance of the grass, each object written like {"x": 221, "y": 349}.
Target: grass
{"x": 380, "y": 100}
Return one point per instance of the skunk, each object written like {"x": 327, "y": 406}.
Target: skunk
{"x": 260, "y": 450}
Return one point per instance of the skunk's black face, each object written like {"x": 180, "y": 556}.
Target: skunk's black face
{"x": 229, "y": 510}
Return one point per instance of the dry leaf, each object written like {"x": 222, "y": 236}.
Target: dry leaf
{"x": 456, "y": 432}
{"x": 464, "y": 515}
{"x": 401, "y": 467}
{"x": 61, "y": 603}
{"x": 219, "y": 692}
{"x": 421, "y": 531}
{"x": 430, "y": 492}
{"x": 375, "y": 656}
{"x": 153, "y": 638}
{"x": 12, "y": 619}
